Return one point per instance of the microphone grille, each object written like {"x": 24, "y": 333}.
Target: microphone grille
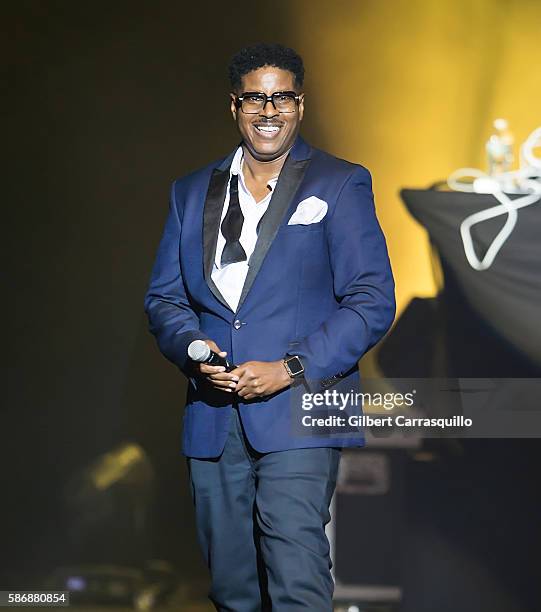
{"x": 198, "y": 350}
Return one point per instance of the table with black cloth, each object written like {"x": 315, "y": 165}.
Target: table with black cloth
{"x": 482, "y": 323}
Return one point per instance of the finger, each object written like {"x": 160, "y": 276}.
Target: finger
{"x": 223, "y": 385}
{"x": 237, "y": 371}
{"x": 209, "y": 369}
{"x": 249, "y": 396}
{"x": 242, "y": 383}
{"x": 213, "y": 346}
{"x": 226, "y": 389}
{"x": 223, "y": 376}
{"x": 246, "y": 381}
{"x": 245, "y": 390}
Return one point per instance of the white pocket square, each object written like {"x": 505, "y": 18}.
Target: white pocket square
{"x": 310, "y": 210}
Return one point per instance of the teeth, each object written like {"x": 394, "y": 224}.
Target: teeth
{"x": 267, "y": 128}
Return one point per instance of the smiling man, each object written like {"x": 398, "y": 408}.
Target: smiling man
{"x": 274, "y": 257}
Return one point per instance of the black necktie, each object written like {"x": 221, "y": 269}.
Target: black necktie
{"x": 232, "y": 226}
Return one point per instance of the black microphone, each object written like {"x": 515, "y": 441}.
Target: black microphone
{"x": 200, "y": 351}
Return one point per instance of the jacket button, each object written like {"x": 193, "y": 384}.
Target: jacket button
{"x": 237, "y": 324}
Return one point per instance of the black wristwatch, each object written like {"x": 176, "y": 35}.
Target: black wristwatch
{"x": 293, "y": 366}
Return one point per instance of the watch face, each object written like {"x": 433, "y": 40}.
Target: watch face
{"x": 295, "y": 366}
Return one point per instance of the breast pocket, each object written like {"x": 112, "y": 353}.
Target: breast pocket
{"x": 301, "y": 229}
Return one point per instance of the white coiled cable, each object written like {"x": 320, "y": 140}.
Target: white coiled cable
{"x": 525, "y": 181}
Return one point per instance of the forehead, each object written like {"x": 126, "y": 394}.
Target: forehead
{"x": 268, "y": 79}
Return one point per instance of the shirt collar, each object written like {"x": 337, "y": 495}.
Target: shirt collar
{"x": 236, "y": 164}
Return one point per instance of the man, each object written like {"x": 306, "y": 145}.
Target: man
{"x": 274, "y": 257}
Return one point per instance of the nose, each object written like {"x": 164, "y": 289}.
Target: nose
{"x": 268, "y": 109}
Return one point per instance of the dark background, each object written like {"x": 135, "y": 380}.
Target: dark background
{"x": 107, "y": 104}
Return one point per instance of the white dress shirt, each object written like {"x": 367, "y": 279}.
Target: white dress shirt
{"x": 230, "y": 278}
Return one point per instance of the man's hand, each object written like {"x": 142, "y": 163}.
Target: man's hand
{"x": 260, "y": 378}
{"x": 216, "y": 376}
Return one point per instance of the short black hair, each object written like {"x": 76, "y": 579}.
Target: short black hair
{"x": 265, "y": 54}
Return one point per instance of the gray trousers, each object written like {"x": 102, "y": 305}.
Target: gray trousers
{"x": 260, "y": 524}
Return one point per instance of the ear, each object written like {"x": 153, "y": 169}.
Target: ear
{"x": 301, "y": 106}
{"x": 233, "y": 106}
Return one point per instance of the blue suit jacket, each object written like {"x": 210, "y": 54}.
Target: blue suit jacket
{"x": 322, "y": 291}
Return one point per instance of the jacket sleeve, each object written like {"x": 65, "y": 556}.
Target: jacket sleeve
{"x": 171, "y": 317}
{"x": 363, "y": 286}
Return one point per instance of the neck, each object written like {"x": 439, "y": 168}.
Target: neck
{"x": 263, "y": 170}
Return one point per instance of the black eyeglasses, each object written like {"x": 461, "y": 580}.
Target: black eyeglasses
{"x": 253, "y": 102}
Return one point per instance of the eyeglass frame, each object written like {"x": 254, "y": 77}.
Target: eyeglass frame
{"x": 292, "y": 94}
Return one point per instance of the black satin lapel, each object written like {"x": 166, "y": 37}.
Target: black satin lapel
{"x": 212, "y": 213}
{"x": 289, "y": 182}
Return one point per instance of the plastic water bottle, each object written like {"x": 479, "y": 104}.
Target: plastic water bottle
{"x": 499, "y": 148}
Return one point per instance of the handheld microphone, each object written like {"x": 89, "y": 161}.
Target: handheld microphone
{"x": 200, "y": 351}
